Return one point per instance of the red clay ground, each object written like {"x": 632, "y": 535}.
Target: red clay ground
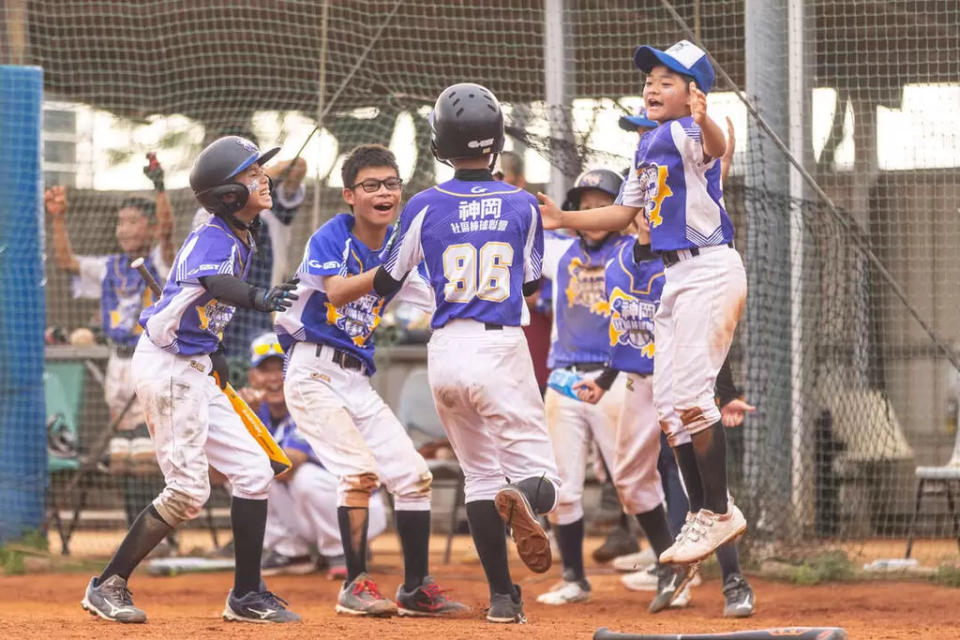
{"x": 46, "y": 606}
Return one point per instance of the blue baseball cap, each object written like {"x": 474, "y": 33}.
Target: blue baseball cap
{"x": 683, "y": 57}
{"x": 263, "y": 347}
{"x": 632, "y": 123}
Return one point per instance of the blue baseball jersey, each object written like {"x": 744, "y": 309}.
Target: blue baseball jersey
{"x": 580, "y": 319}
{"x": 334, "y": 251}
{"x": 122, "y": 292}
{"x": 633, "y": 293}
{"x": 188, "y": 320}
{"x": 124, "y": 296}
{"x": 285, "y": 433}
{"x": 678, "y": 187}
{"x": 480, "y": 241}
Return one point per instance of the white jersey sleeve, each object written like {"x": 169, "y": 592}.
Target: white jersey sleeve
{"x": 406, "y": 252}
{"x": 533, "y": 248}
{"x": 416, "y": 292}
{"x": 88, "y": 282}
{"x": 631, "y": 193}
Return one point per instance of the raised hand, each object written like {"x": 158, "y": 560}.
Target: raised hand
{"x": 697, "y": 103}
{"x": 55, "y": 200}
{"x": 154, "y": 171}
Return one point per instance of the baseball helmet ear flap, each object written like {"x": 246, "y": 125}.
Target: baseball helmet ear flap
{"x": 218, "y": 199}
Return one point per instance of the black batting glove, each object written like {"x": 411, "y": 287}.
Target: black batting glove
{"x": 220, "y": 370}
{"x": 279, "y": 298}
{"x": 154, "y": 172}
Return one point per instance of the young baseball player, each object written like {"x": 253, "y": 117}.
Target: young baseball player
{"x": 575, "y": 266}
{"x": 481, "y": 241}
{"x": 144, "y": 229}
{"x": 191, "y": 422}
{"x": 676, "y": 182}
{"x": 634, "y": 282}
{"x": 302, "y": 508}
{"x": 328, "y": 336}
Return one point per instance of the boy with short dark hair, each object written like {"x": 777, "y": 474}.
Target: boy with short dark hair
{"x": 329, "y": 341}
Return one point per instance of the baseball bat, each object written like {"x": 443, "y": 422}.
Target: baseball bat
{"x": 782, "y": 633}
{"x": 279, "y": 461}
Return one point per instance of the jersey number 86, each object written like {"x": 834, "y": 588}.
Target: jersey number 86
{"x": 467, "y": 277}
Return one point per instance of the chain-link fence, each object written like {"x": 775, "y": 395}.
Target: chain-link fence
{"x": 854, "y": 281}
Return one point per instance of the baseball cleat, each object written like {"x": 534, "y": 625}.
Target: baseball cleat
{"x": 672, "y": 581}
{"x": 708, "y": 531}
{"x": 619, "y": 542}
{"x": 427, "y": 600}
{"x": 111, "y": 600}
{"x": 362, "y": 598}
{"x": 276, "y": 563}
{"x": 738, "y": 597}
{"x": 667, "y": 556}
{"x": 643, "y": 580}
{"x": 635, "y": 561}
{"x": 533, "y": 546}
{"x": 506, "y": 608}
{"x": 262, "y": 607}
{"x": 566, "y": 592}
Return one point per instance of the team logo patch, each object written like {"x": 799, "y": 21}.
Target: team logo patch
{"x": 653, "y": 185}
{"x": 357, "y": 319}
{"x": 586, "y": 286}
{"x": 631, "y": 322}
{"x": 214, "y": 317}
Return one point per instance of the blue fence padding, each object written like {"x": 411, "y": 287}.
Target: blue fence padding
{"x": 23, "y": 441}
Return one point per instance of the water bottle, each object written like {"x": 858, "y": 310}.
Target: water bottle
{"x": 563, "y": 381}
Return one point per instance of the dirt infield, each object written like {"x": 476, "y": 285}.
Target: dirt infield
{"x": 188, "y": 606}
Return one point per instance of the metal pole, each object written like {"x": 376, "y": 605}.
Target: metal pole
{"x": 556, "y": 79}
{"x": 798, "y": 134}
{"x": 321, "y": 97}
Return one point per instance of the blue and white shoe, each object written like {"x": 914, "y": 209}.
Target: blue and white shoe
{"x": 111, "y": 600}
{"x": 261, "y": 607}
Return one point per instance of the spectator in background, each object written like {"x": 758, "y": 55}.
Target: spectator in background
{"x": 144, "y": 229}
{"x": 302, "y": 507}
{"x": 269, "y": 264}
{"x": 511, "y": 171}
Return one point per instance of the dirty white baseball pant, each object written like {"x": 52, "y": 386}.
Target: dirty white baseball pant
{"x": 702, "y": 300}
{"x": 303, "y": 511}
{"x": 635, "y": 472}
{"x": 353, "y": 432}
{"x": 571, "y": 424}
{"x": 193, "y": 425}
{"x": 487, "y": 398}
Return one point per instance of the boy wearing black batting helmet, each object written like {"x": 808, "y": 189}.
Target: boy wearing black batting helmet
{"x": 481, "y": 241}
{"x": 192, "y": 423}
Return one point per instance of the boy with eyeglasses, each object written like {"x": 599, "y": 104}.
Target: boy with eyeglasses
{"x": 328, "y": 336}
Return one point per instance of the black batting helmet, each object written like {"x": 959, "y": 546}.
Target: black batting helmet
{"x": 215, "y": 169}
{"x": 601, "y": 179}
{"x": 466, "y": 122}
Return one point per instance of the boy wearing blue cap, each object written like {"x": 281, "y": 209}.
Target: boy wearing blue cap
{"x": 676, "y": 182}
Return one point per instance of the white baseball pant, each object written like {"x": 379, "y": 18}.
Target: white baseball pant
{"x": 703, "y": 298}
{"x": 193, "y": 425}
{"x": 571, "y": 424}
{"x": 303, "y": 511}
{"x": 637, "y": 450}
{"x": 353, "y": 432}
{"x": 487, "y": 398}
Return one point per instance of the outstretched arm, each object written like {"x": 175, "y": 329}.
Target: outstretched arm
{"x": 343, "y": 290}
{"x": 610, "y": 218}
